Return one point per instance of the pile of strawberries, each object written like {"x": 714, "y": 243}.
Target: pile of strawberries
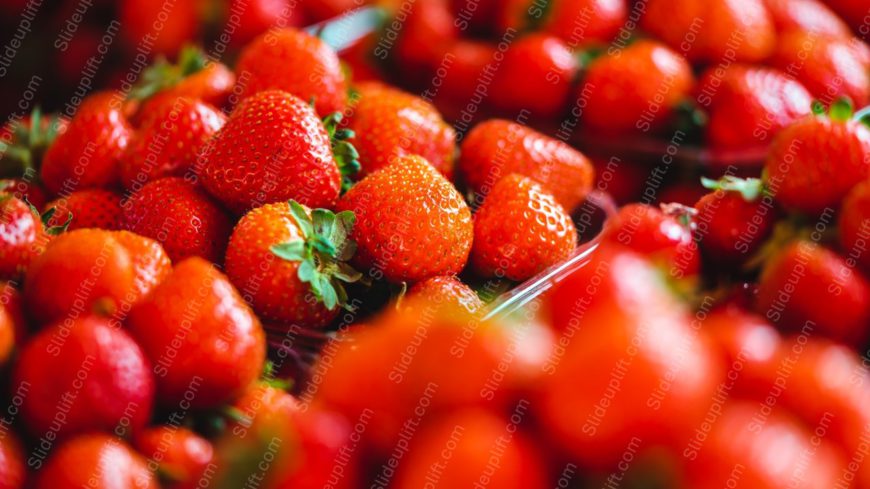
{"x": 285, "y": 274}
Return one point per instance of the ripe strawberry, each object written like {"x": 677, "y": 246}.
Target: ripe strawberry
{"x": 22, "y": 146}
{"x": 164, "y": 30}
{"x": 833, "y": 149}
{"x": 97, "y": 460}
{"x": 180, "y": 216}
{"x": 411, "y": 223}
{"x": 498, "y": 147}
{"x": 731, "y": 224}
{"x": 87, "y": 154}
{"x": 11, "y": 302}
{"x": 209, "y": 353}
{"x": 13, "y": 472}
{"x": 747, "y": 105}
{"x": 660, "y": 236}
{"x": 474, "y": 15}
{"x": 808, "y": 16}
{"x": 445, "y": 290}
{"x": 469, "y": 60}
{"x": 295, "y": 62}
{"x": 536, "y": 75}
{"x": 272, "y": 149}
{"x": 635, "y": 89}
{"x": 22, "y": 237}
{"x": 520, "y": 230}
{"x": 250, "y": 18}
{"x": 854, "y": 225}
{"x": 169, "y": 141}
{"x": 713, "y": 30}
{"x": 87, "y": 208}
{"x": 829, "y": 67}
{"x": 91, "y": 372}
{"x": 150, "y": 264}
{"x": 180, "y": 455}
{"x": 806, "y": 283}
{"x": 288, "y": 262}
{"x": 26, "y": 190}
{"x": 576, "y": 22}
{"x": 415, "y": 53}
{"x": 7, "y": 335}
{"x": 390, "y": 124}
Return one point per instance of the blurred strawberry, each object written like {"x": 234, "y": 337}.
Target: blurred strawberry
{"x": 22, "y": 237}
{"x": 447, "y": 290}
{"x": 13, "y": 472}
{"x": 576, "y": 22}
{"x": 163, "y": 27}
{"x": 253, "y": 17}
{"x": 808, "y": 16}
{"x": 182, "y": 456}
{"x": 415, "y": 53}
{"x": 99, "y": 460}
{"x": 854, "y": 224}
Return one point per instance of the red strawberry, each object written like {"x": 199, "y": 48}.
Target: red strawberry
{"x": 411, "y": 223}
{"x": 297, "y": 63}
{"x": 445, "y": 290}
{"x": 13, "y": 472}
{"x": 250, "y": 18}
{"x": 650, "y": 231}
{"x": 207, "y": 354}
{"x": 575, "y": 21}
{"x": 181, "y": 455}
{"x": 169, "y": 141}
{"x": 469, "y": 59}
{"x": 536, "y": 75}
{"x": 854, "y": 225}
{"x": 98, "y": 460}
{"x": 92, "y": 372}
{"x": 747, "y": 105}
{"x": 520, "y": 230}
{"x": 8, "y": 336}
{"x": 164, "y": 28}
{"x": 87, "y": 208}
{"x": 26, "y": 190}
{"x": 10, "y": 300}
{"x": 635, "y": 89}
{"x": 288, "y": 262}
{"x": 389, "y": 124}
{"x": 273, "y": 148}
{"x": 829, "y": 67}
{"x": 813, "y": 163}
{"x": 150, "y": 264}
{"x": 808, "y": 16}
{"x": 496, "y": 148}
{"x": 180, "y": 216}
{"x": 806, "y": 283}
{"x": 87, "y": 154}
{"x": 415, "y": 52}
{"x": 22, "y": 237}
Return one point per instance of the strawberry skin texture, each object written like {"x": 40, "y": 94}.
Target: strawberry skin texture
{"x": 87, "y": 154}
{"x": 270, "y": 284}
{"x": 225, "y": 349}
{"x": 390, "y": 123}
{"x": 854, "y": 224}
{"x": 90, "y": 208}
{"x": 170, "y": 141}
{"x": 411, "y": 223}
{"x": 520, "y": 230}
{"x": 498, "y": 147}
{"x": 445, "y": 290}
{"x": 99, "y": 460}
{"x": 730, "y": 229}
{"x": 747, "y": 105}
{"x": 273, "y": 148}
{"x": 180, "y": 216}
{"x": 296, "y": 62}
{"x": 150, "y": 262}
{"x": 22, "y": 237}
{"x": 813, "y": 163}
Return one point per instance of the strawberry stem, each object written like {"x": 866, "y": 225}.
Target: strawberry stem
{"x": 163, "y": 74}
{"x": 22, "y": 153}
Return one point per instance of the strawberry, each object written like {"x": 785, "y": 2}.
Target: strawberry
{"x": 288, "y": 262}
{"x": 22, "y": 146}
{"x": 25, "y": 190}
{"x": 733, "y": 224}
{"x": 295, "y": 62}
{"x": 536, "y": 76}
{"x": 163, "y": 28}
{"x": 748, "y": 105}
{"x": 808, "y": 16}
{"x": 411, "y": 223}
{"x": 806, "y": 283}
{"x": 180, "y": 455}
{"x": 389, "y": 124}
{"x": 853, "y": 12}
{"x": 11, "y": 302}
{"x": 8, "y": 337}
{"x": 658, "y": 235}
{"x": 207, "y": 354}
{"x": 829, "y": 67}
{"x": 98, "y": 460}
{"x": 22, "y": 237}
{"x": 247, "y": 19}
{"x": 87, "y": 208}
{"x": 415, "y": 53}
{"x": 87, "y": 154}
{"x": 445, "y": 289}
{"x": 520, "y": 230}
{"x": 469, "y": 59}
{"x": 273, "y": 148}
{"x": 89, "y": 370}
{"x": 635, "y": 89}
{"x": 711, "y": 31}
{"x": 181, "y": 216}
{"x": 575, "y": 21}
{"x": 169, "y": 141}
{"x": 474, "y": 15}
{"x": 832, "y": 149}
{"x": 150, "y": 264}
{"x": 499, "y": 147}
{"x": 854, "y": 225}
{"x": 13, "y": 472}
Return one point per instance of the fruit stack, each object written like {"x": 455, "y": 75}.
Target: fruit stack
{"x": 283, "y": 273}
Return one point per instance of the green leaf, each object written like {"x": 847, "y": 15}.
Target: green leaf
{"x": 818, "y": 107}
{"x": 749, "y": 188}
{"x": 307, "y": 272}
{"x": 163, "y": 75}
{"x": 327, "y": 293}
{"x": 290, "y": 251}
{"x": 346, "y": 273}
{"x": 323, "y": 245}
{"x": 841, "y": 110}
{"x": 302, "y": 218}
{"x": 324, "y": 221}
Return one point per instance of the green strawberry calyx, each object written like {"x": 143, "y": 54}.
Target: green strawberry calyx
{"x": 841, "y": 110}
{"x": 21, "y": 153}
{"x": 749, "y": 188}
{"x": 346, "y": 156}
{"x": 323, "y": 252}
{"x": 163, "y": 74}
